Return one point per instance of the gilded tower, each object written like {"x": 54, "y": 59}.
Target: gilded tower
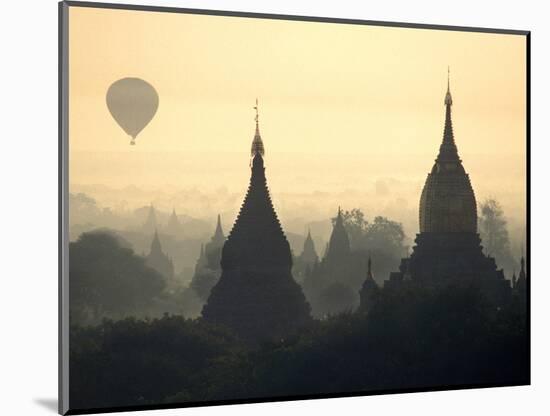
{"x": 448, "y": 247}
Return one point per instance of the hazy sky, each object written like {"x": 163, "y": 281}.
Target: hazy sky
{"x": 341, "y": 106}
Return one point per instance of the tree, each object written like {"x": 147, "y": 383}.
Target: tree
{"x": 382, "y": 239}
{"x": 494, "y": 233}
{"x": 385, "y": 235}
{"x": 355, "y": 225}
{"x": 108, "y": 280}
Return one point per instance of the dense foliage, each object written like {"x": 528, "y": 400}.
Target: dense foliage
{"x": 412, "y": 338}
{"x": 493, "y": 230}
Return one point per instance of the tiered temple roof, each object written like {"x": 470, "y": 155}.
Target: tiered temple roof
{"x": 256, "y": 295}
{"x": 309, "y": 255}
{"x": 338, "y": 246}
{"x": 158, "y": 260}
{"x": 448, "y": 203}
{"x": 448, "y": 247}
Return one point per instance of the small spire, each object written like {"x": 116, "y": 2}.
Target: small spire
{"x": 219, "y": 230}
{"x": 448, "y": 97}
{"x": 155, "y": 244}
{"x": 369, "y": 268}
{"x": 257, "y": 143}
{"x": 339, "y": 219}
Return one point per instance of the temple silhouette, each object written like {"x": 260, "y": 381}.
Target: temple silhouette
{"x": 208, "y": 268}
{"x": 158, "y": 260}
{"x": 306, "y": 261}
{"x": 333, "y": 284}
{"x": 256, "y": 295}
{"x": 370, "y": 291}
{"x": 150, "y": 225}
{"x": 173, "y": 226}
{"x": 448, "y": 247}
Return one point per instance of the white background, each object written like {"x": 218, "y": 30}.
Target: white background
{"x": 28, "y": 208}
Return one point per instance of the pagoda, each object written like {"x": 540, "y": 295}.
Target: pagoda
{"x": 334, "y": 283}
{"x": 207, "y": 268}
{"x": 448, "y": 247}
{"x": 158, "y": 260}
{"x": 309, "y": 255}
{"x": 256, "y": 295}
{"x": 369, "y": 291}
{"x": 150, "y": 225}
{"x": 338, "y": 247}
{"x": 173, "y": 227}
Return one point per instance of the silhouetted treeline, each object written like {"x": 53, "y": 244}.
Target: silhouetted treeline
{"x": 108, "y": 280}
{"x": 412, "y": 338}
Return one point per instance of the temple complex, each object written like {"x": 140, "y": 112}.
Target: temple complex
{"x": 334, "y": 283}
{"x": 256, "y": 295}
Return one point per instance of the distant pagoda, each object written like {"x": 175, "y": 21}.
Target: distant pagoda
{"x": 306, "y": 261}
{"x": 256, "y": 295}
{"x": 309, "y": 256}
{"x": 208, "y": 268}
{"x": 150, "y": 225}
{"x": 334, "y": 283}
{"x": 160, "y": 261}
{"x": 448, "y": 247}
{"x": 369, "y": 291}
{"x": 173, "y": 227}
{"x": 338, "y": 247}
{"x": 519, "y": 285}
{"x": 215, "y": 244}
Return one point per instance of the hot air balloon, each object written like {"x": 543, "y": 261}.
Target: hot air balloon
{"x": 132, "y": 102}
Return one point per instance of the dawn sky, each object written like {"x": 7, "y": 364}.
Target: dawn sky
{"x": 341, "y": 106}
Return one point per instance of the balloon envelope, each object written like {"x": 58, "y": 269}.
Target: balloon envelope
{"x": 132, "y": 102}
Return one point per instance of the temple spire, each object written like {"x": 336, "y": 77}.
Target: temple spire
{"x": 257, "y": 143}
{"x": 218, "y": 239}
{"x": 256, "y": 295}
{"x": 219, "y": 225}
{"x": 448, "y": 96}
{"x": 155, "y": 244}
{"x": 369, "y": 269}
{"x": 448, "y": 151}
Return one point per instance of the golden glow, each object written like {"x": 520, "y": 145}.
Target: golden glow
{"x": 347, "y": 112}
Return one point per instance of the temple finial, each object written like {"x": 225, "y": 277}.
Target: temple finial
{"x": 257, "y": 144}
{"x": 448, "y": 97}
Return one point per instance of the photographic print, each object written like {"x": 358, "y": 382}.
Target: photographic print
{"x": 261, "y": 208}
